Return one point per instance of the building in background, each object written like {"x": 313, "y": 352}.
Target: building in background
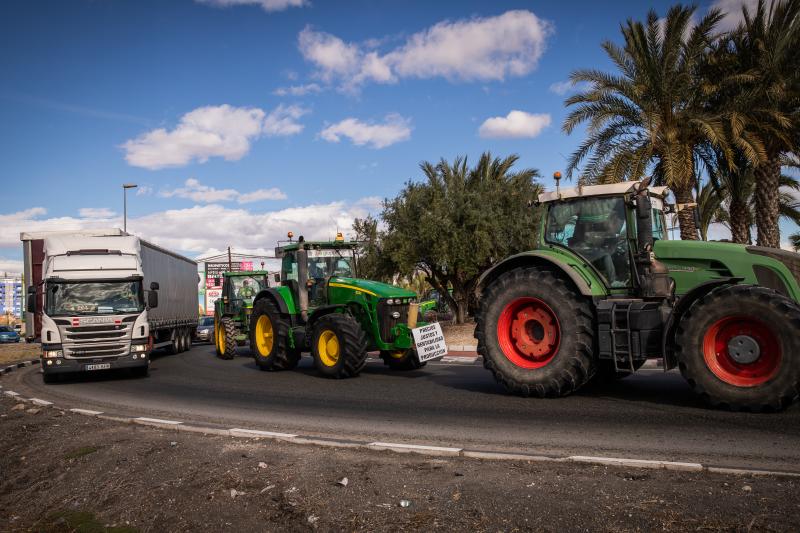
{"x": 212, "y": 267}
{"x": 10, "y": 299}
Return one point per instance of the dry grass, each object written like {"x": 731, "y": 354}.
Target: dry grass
{"x": 21, "y": 351}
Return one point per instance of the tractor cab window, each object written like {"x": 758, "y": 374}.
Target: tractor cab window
{"x": 289, "y": 267}
{"x": 246, "y": 287}
{"x": 594, "y": 228}
{"x": 322, "y": 264}
{"x": 659, "y": 225}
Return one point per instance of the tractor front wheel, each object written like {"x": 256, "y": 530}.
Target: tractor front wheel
{"x": 339, "y": 346}
{"x": 402, "y": 359}
{"x": 225, "y": 335}
{"x": 738, "y": 348}
{"x": 269, "y": 338}
{"x": 535, "y": 333}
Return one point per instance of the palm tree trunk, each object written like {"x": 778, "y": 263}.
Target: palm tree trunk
{"x": 767, "y": 205}
{"x": 740, "y": 228}
{"x": 686, "y": 219}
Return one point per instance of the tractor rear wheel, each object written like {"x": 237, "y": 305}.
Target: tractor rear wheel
{"x": 269, "y": 338}
{"x": 225, "y": 335}
{"x": 217, "y": 327}
{"x": 535, "y": 333}
{"x": 339, "y": 346}
{"x": 738, "y": 348}
{"x": 402, "y": 359}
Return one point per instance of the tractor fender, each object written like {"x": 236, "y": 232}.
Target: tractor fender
{"x": 275, "y": 296}
{"x": 322, "y": 311}
{"x": 534, "y": 258}
{"x": 683, "y": 304}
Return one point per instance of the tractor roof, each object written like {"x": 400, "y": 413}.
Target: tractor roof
{"x": 245, "y": 273}
{"x": 316, "y": 245}
{"x": 611, "y": 189}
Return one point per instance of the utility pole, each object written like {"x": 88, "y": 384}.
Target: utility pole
{"x": 125, "y": 187}
{"x": 230, "y": 264}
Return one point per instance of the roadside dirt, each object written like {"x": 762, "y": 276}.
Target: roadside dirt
{"x": 68, "y": 472}
{"x": 459, "y": 334}
{"x": 19, "y": 351}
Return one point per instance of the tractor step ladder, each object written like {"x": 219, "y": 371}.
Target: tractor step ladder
{"x": 621, "y": 342}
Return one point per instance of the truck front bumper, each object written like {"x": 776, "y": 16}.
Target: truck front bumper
{"x": 61, "y": 365}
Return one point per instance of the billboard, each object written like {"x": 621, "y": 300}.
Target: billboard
{"x": 213, "y": 275}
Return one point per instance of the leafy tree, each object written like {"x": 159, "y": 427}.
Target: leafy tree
{"x": 709, "y": 204}
{"x": 794, "y": 241}
{"x": 459, "y": 221}
{"x": 370, "y": 261}
{"x": 652, "y": 115}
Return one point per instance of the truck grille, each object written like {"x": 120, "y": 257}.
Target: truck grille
{"x": 385, "y": 320}
{"x": 106, "y": 340}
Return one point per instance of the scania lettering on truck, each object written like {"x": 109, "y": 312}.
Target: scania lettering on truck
{"x": 93, "y": 300}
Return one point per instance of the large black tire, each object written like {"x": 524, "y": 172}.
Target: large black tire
{"x": 350, "y": 346}
{"x": 217, "y": 345}
{"x": 402, "y": 360}
{"x": 175, "y": 344}
{"x": 231, "y": 348}
{"x": 565, "y": 366}
{"x": 51, "y": 378}
{"x": 279, "y": 355}
{"x": 188, "y": 341}
{"x": 766, "y": 324}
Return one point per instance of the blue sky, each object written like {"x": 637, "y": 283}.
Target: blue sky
{"x": 282, "y": 116}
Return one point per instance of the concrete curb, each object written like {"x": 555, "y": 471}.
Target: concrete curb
{"x": 398, "y": 447}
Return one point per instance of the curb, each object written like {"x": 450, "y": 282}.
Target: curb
{"x": 397, "y": 447}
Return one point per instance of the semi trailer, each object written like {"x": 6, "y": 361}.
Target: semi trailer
{"x": 99, "y": 300}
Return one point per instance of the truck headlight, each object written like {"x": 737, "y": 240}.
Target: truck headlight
{"x": 53, "y": 353}
{"x": 137, "y": 348}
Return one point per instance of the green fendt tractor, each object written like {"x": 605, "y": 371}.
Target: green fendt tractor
{"x": 322, "y": 308}
{"x": 232, "y": 310}
{"x": 605, "y": 290}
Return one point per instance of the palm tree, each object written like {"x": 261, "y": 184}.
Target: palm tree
{"x": 767, "y": 48}
{"x": 709, "y": 207}
{"x": 652, "y": 115}
{"x": 794, "y": 241}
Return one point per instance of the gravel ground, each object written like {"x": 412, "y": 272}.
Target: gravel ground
{"x": 68, "y": 472}
{"x": 20, "y": 351}
{"x": 459, "y": 334}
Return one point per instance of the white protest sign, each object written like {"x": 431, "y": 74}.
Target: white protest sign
{"x": 430, "y": 342}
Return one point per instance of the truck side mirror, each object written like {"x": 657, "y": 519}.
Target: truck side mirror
{"x": 152, "y": 299}
{"x": 277, "y": 278}
{"x": 31, "y": 303}
{"x": 154, "y": 286}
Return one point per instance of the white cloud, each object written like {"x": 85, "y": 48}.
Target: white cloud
{"x": 732, "y": 10}
{"x": 144, "y": 190}
{"x": 266, "y": 5}
{"x": 394, "y": 129}
{"x": 298, "y": 90}
{"x": 491, "y": 48}
{"x": 282, "y": 121}
{"x": 517, "y": 124}
{"x": 197, "y": 192}
{"x": 12, "y": 267}
{"x": 96, "y": 212}
{"x": 562, "y": 88}
{"x": 201, "y": 228}
{"x": 213, "y": 131}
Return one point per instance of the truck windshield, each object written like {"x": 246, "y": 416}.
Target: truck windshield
{"x": 94, "y": 298}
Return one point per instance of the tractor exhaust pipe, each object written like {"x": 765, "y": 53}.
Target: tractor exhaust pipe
{"x": 654, "y": 280}
{"x": 302, "y": 280}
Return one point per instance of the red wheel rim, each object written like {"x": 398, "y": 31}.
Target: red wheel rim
{"x": 722, "y": 363}
{"x": 528, "y": 332}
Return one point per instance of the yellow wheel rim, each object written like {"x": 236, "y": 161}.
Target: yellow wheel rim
{"x": 265, "y": 336}
{"x": 219, "y": 333}
{"x": 397, "y": 354}
{"x": 328, "y": 348}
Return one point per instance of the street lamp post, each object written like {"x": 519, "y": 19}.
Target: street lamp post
{"x": 125, "y": 187}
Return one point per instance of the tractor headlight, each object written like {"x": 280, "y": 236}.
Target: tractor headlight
{"x": 53, "y": 353}
{"x": 389, "y": 302}
{"x": 396, "y": 315}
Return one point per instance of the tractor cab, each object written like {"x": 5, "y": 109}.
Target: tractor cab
{"x": 239, "y": 289}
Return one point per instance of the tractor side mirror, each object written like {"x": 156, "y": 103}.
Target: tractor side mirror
{"x": 152, "y": 299}
{"x": 277, "y": 278}
{"x": 154, "y": 286}
{"x": 669, "y": 209}
{"x": 31, "y": 303}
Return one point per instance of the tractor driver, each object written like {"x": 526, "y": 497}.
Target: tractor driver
{"x": 246, "y": 292}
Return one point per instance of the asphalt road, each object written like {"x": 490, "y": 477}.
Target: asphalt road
{"x": 651, "y": 415}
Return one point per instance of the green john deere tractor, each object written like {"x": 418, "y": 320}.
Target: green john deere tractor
{"x": 232, "y": 310}
{"x": 605, "y": 290}
{"x": 320, "y": 307}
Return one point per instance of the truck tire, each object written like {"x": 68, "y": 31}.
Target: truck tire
{"x": 402, "y": 360}
{"x": 269, "y": 338}
{"x": 227, "y": 338}
{"x": 175, "y": 342}
{"x": 188, "y": 342}
{"x": 738, "y": 347}
{"x": 339, "y": 346}
{"x": 536, "y": 333}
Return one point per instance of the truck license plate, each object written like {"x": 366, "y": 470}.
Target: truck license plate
{"x": 430, "y": 342}
{"x": 101, "y": 366}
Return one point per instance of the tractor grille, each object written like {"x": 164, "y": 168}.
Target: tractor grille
{"x": 104, "y": 340}
{"x": 386, "y": 321}
{"x": 790, "y": 259}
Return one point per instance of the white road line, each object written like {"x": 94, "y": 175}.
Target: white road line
{"x": 144, "y": 420}
{"x": 11, "y": 393}
{"x": 239, "y": 432}
{"x": 86, "y": 412}
{"x": 459, "y": 360}
{"x": 641, "y": 463}
{"x": 37, "y": 401}
{"x": 414, "y": 448}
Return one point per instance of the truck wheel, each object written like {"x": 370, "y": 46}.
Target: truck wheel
{"x": 339, "y": 346}
{"x": 269, "y": 338}
{"x": 536, "y": 333}
{"x": 402, "y": 360}
{"x": 227, "y": 338}
{"x": 738, "y": 348}
{"x": 188, "y": 342}
{"x": 175, "y": 342}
